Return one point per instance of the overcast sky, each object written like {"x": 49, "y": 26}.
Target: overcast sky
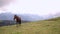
{"x": 39, "y": 7}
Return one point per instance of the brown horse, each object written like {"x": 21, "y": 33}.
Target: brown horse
{"x": 17, "y": 19}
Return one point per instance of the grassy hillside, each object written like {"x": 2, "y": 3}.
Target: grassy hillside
{"x": 40, "y": 27}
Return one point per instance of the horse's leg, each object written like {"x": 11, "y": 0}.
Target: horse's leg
{"x": 16, "y": 24}
{"x": 20, "y": 23}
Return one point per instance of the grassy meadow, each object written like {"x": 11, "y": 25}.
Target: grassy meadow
{"x": 51, "y": 26}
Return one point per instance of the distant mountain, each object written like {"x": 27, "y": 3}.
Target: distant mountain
{"x": 6, "y": 16}
{"x": 30, "y": 17}
{"x": 27, "y": 17}
{"x": 24, "y": 17}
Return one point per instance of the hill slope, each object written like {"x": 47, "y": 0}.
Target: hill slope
{"x": 39, "y": 27}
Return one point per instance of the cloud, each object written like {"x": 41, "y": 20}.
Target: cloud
{"x": 40, "y": 7}
{"x": 4, "y": 2}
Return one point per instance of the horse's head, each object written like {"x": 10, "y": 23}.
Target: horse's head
{"x": 15, "y": 15}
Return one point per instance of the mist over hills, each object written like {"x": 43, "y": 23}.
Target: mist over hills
{"x": 26, "y": 17}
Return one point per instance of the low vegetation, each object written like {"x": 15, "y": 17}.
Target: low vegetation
{"x": 51, "y": 26}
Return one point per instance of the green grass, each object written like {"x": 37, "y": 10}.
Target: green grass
{"x": 39, "y": 27}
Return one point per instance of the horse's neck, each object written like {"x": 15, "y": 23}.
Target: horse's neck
{"x": 16, "y": 17}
